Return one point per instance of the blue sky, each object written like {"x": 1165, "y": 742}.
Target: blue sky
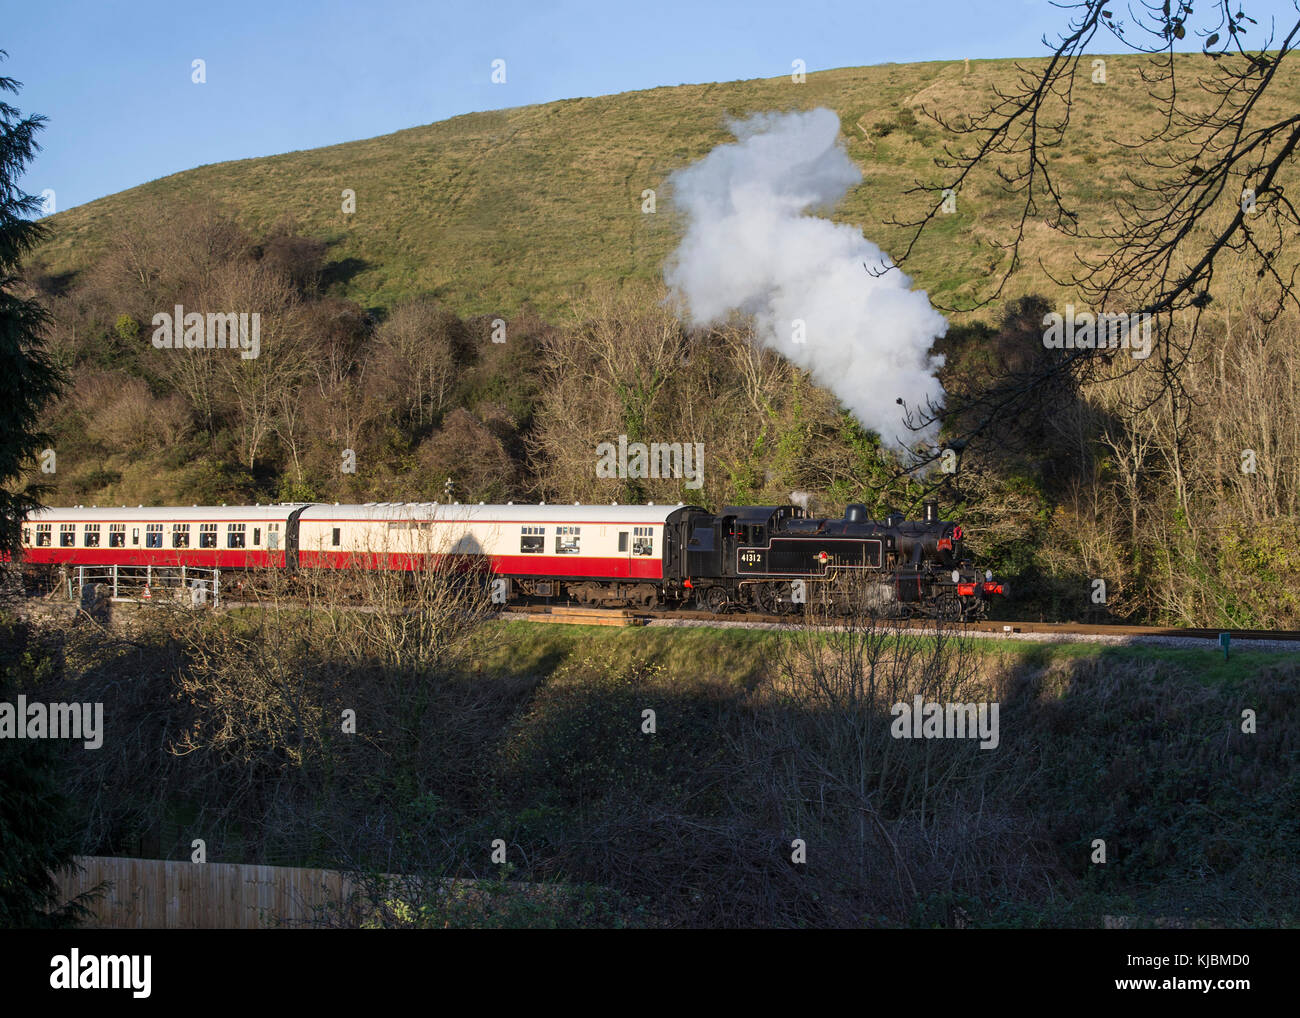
{"x": 115, "y": 78}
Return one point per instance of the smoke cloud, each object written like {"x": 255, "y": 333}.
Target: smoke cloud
{"x": 750, "y": 246}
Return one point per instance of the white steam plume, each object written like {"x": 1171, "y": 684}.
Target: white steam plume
{"x": 750, "y": 247}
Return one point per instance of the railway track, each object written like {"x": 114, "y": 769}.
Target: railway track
{"x": 570, "y": 615}
{"x": 614, "y": 617}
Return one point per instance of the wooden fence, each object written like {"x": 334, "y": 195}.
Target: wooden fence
{"x": 158, "y": 894}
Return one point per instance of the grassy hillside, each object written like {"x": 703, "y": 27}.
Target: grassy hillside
{"x": 489, "y": 211}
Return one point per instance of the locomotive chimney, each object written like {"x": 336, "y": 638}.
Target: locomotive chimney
{"x": 931, "y": 510}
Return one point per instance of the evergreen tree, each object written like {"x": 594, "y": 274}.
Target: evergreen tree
{"x": 35, "y": 822}
{"x": 28, "y": 378}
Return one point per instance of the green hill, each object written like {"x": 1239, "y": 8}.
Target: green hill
{"x": 489, "y": 211}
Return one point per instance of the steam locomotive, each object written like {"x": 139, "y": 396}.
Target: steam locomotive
{"x": 774, "y": 559}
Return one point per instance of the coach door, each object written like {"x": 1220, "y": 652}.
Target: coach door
{"x": 625, "y": 550}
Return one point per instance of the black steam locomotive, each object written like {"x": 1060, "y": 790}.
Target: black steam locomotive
{"x": 776, "y": 559}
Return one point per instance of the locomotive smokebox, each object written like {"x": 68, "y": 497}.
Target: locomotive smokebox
{"x": 931, "y": 511}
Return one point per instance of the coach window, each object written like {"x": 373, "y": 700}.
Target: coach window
{"x": 234, "y": 535}
{"x": 27, "y": 535}
{"x": 273, "y": 536}
{"x": 117, "y": 535}
{"x": 336, "y": 536}
{"x": 566, "y": 540}
{"x": 207, "y": 535}
{"x": 257, "y": 536}
{"x": 153, "y": 535}
{"x": 44, "y": 535}
{"x": 643, "y": 541}
{"x": 180, "y": 535}
{"x": 532, "y": 541}
{"x": 622, "y": 541}
{"x": 67, "y": 535}
{"x": 90, "y": 536}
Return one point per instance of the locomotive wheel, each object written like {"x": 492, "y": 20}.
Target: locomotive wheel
{"x": 948, "y": 608}
{"x": 715, "y": 600}
{"x": 767, "y": 597}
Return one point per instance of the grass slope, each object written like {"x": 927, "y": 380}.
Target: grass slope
{"x": 489, "y": 211}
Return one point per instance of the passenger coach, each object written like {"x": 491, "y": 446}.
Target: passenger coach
{"x": 212, "y": 537}
{"x": 595, "y": 554}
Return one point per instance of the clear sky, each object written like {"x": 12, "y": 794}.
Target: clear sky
{"x": 114, "y": 78}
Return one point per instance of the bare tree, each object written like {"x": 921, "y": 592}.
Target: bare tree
{"x": 1210, "y": 180}
{"x": 254, "y": 386}
{"x": 416, "y": 361}
{"x": 897, "y": 820}
{"x": 610, "y": 373}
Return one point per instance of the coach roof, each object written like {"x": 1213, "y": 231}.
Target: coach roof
{"x": 162, "y": 513}
{"x": 618, "y": 515}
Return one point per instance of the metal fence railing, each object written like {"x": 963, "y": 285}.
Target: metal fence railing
{"x": 193, "y": 585}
